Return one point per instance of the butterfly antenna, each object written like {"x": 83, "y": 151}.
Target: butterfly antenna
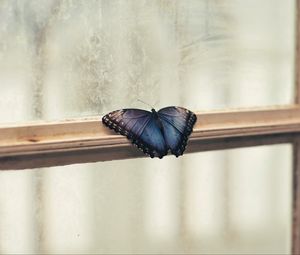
{"x": 145, "y": 103}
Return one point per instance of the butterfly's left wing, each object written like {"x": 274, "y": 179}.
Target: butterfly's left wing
{"x": 177, "y": 123}
{"x": 140, "y": 127}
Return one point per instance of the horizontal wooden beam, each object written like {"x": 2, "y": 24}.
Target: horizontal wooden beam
{"x": 41, "y": 144}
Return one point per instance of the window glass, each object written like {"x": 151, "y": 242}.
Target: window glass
{"x": 234, "y": 201}
{"x": 61, "y": 59}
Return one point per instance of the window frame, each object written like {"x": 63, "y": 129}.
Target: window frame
{"x": 88, "y": 140}
{"x": 45, "y": 144}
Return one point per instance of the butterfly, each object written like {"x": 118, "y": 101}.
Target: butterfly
{"x": 155, "y": 132}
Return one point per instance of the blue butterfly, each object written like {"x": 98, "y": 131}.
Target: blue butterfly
{"x": 155, "y": 133}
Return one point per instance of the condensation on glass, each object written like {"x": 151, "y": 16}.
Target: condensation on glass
{"x": 61, "y": 59}
{"x": 236, "y": 202}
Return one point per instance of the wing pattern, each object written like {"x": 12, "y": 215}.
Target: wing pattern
{"x": 140, "y": 128}
{"x": 177, "y": 125}
{"x": 155, "y": 133}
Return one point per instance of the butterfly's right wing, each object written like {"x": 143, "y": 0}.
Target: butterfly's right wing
{"x": 177, "y": 125}
{"x": 140, "y": 127}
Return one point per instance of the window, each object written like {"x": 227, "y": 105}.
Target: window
{"x": 63, "y": 62}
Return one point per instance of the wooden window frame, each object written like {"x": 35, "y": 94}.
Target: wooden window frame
{"x": 87, "y": 140}
{"x": 46, "y": 144}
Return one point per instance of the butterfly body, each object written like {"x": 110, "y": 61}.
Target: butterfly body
{"x": 155, "y": 116}
{"x": 155, "y": 132}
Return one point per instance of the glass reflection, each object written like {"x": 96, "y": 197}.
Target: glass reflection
{"x": 231, "y": 201}
{"x": 65, "y": 58}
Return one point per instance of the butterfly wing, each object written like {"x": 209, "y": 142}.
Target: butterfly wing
{"x": 177, "y": 123}
{"x": 140, "y": 127}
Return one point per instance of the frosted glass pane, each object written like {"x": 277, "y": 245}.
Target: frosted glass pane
{"x": 61, "y": 59}
{"x": 223, "y": 202}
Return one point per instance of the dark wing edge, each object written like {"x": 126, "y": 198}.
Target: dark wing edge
{"x": 191, "y": 119}
{"x": 109, "y": 121}
{"x": 187, "y": 132}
